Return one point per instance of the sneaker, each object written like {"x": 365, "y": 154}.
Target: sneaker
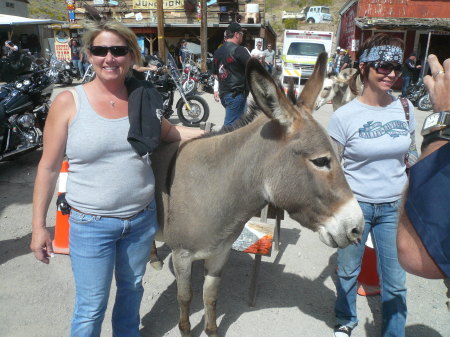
{"x": 342, "y": 331}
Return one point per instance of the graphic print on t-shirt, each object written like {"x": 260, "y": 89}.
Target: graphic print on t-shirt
{"x": 395, "y": 128}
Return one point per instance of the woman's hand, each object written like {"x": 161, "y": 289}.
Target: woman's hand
{"x": 41, "y": 244}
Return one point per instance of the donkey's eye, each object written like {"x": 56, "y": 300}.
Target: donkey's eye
{"x": 321, "y": 162}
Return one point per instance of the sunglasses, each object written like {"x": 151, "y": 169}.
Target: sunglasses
{"x": 385, "y": 68}
{"x": 115, "y": 50}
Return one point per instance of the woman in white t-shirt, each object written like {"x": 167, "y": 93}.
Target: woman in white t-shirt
{"x": 373, "y": 136}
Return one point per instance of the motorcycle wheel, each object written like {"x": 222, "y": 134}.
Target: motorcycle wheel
{"x": 189, "y": 86}
{"x": 67, "y": 79}
{"x": 424, "y": 103}
{"x": 198, "y": 112}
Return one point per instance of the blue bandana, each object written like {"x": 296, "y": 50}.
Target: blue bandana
{"x": 382, "y": 53}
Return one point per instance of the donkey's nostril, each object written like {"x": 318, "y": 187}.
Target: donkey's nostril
{"x": 356, "y": 231}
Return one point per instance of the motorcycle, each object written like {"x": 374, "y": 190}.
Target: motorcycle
{"x": 191, "y": 109}
{"x": 418, "y": 95}
{"x": 12, "y": 67}
{"x": 60, "y": 70}
{"x": 190, "y": 78}
{"x": 193, "y": 78}
{"x": 24, "y": 106}
{"x": 89, "y": 74}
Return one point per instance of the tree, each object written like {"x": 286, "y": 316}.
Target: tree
{"x": 290, "y": 23}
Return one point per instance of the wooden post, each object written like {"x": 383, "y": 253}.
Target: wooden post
{"x": 204, "y": 35}
{"x": 161, "y": 37}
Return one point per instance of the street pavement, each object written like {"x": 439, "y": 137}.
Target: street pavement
{"x": 295, "y": 294}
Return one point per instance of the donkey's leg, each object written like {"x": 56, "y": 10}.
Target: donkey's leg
{"x": 182, "y": 265}
{"x": 213, "y": 272}
{"x": 154, "y": 259}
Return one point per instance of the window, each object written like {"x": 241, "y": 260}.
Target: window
{"x": 9, "y": 4}
{"x": 305, "y": 49}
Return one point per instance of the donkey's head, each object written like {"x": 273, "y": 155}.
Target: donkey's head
{"x": 327, "y": 92}
{"x": 301, "y": 171}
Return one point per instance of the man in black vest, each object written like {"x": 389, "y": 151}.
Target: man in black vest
{"x": 229, "y": 68}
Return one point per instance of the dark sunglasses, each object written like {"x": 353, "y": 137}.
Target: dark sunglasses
{"x": 385, "y": 68}
{"x": 115, "y": 50}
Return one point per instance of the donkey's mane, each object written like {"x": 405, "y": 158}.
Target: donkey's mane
{"x": 252, "y": 112}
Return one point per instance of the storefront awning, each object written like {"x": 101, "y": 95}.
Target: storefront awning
{"x": 442, "y": 24}
{"x": 12, "y": 20}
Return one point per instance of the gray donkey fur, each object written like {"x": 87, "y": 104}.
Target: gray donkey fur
{"x": 208, "y": 188}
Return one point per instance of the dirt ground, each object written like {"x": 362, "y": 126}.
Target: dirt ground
{"x": 295, "y": 290}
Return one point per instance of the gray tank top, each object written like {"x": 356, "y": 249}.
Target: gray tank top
{"x": 106, "y": 176}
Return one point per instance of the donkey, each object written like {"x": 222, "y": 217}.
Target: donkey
{"x": 336, "y": 89}
{"x": 208, "y": 188}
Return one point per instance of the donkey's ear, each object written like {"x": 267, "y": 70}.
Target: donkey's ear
{"x": 267, "y": 95}
{"x": 308, "y": 97}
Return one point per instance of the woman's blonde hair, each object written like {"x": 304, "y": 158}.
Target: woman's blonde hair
{"x": 93, "y": 29}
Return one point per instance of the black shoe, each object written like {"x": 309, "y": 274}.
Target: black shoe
{"x": 342, "y": 331}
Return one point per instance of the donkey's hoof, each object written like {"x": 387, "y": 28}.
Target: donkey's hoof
{"x": 157, "y": 265}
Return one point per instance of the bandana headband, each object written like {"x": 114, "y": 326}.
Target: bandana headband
{"x": 382, "y": 53}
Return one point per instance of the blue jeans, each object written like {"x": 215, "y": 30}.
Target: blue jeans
{"x": 381, "y": 221}
{"x": 100, "y": 246}
{"x": 78, "y": 65}
{"x": 234, "y": 107}
{"x": 406, "y": 83}
{"x": 269, "y": 68}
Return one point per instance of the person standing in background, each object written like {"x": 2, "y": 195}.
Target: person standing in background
{"x": 269, "y": 58}
{"x": 75, "y": 50}
{"x": 408, "y": 69}
{"x": 229, "y": 64}
{"x": 257, "y": 52}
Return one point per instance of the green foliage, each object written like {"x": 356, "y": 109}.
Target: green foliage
{"x": 290, "y": 23}
{"x": 48, "y": 9}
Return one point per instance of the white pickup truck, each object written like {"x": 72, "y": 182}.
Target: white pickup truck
{"x": 314, "y": 14}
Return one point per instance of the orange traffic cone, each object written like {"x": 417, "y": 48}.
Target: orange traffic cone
{"x": 368, "y": 280}
{"x": 61, "y": 240}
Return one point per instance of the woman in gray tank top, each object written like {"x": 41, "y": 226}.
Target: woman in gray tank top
{"x": 110, "y": 186}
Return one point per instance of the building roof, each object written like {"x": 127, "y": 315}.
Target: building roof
{"x": 12, "y": 20}
{"x": 404, "y": 23}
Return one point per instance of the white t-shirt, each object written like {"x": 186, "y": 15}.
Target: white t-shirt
{"x": 375, "y": 141}
{"x": 259, "y": 54}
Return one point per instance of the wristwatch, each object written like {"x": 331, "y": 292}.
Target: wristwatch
{"x": 436, "y": 126}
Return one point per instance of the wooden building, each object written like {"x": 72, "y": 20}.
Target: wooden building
{"x": 423, "y": 25}
{"x": 182, "y": 19}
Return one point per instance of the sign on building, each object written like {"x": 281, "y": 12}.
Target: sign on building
{"x": 151, "y": 4}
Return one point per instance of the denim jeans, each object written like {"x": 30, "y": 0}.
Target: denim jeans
{"x": 100, "y": 246}
{"x": 78, "y": 65}
{"x": 406, "y": 83}
{"x": 234, "y": 107}
{"x": 269, "y": 68}
{"x": 381, "y": 221}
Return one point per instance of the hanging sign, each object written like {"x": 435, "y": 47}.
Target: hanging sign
{"x": 62, "y": 49}
{"x": 151, "y": 4}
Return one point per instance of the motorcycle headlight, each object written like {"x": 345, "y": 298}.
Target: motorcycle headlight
{"x": 19, "y": 85}
{"x": 27, "y": 82}
{"x": 26, "y": 120}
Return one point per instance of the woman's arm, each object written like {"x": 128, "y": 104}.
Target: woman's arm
{"x": 173, "y": 133}
{"x": 55, "y": 137}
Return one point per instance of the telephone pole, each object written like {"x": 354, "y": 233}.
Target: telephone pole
{"x": 204, "y": 35}
{"x": 160, "y": 16}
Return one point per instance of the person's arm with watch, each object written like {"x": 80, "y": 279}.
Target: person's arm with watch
{"x": 419, "y": 251}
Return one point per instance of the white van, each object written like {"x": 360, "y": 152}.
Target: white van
{"x": 300, "y": 51}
